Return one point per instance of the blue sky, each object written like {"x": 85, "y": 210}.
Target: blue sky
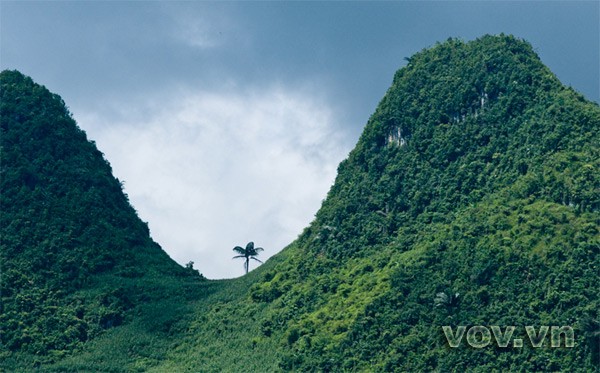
{"x": 226, "y": 120}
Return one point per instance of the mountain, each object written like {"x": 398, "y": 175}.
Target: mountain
{"x": 470, "y": 200}
{"x": 73, "y": 251}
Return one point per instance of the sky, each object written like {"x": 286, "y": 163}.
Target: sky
{"x": 226, "y": 120}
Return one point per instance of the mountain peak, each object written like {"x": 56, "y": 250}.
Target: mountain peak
{"x": 66, "y": 224}
{"x": 461, "y": 120}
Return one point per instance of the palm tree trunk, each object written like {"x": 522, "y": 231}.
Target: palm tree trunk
{"x": 247, "y": 264}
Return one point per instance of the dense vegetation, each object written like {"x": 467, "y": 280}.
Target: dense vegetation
{"x": 75, "y": 257}
{"x": 471, "y": 198}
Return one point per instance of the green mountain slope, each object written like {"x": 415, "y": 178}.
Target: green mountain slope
{"x": 470, "y": 199}
{"x": 74, "y": 255}
{"x": 477, "y": 175}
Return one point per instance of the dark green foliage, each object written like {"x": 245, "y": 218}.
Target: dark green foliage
{"x": 66, "y": 228}
{"x": 189, "y": 268}
{"x": 471, "y": 198}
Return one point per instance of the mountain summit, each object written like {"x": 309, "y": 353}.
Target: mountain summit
{"x": 470, "y": 200}
{"x": 71, "y": 242}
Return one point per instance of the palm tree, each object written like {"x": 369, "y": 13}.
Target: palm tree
{"x": 250, "y": 252}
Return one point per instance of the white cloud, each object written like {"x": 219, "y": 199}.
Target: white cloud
{"x": 210, "y": 171}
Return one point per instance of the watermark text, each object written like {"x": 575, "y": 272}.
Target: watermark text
{"x": 479, "y": 336}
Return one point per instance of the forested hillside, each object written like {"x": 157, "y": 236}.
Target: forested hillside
{"x": 477, "y": 177}
{"x": 75, "y": 257}
{"x": 471, "y": 198}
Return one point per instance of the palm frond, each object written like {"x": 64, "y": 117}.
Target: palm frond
{"x": 239, "y": 249}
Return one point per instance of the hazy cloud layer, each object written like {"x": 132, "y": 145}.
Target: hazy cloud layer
{"x": 210, "y": 171}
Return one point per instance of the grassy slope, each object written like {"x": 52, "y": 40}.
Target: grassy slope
{"x": 200, "y": 332}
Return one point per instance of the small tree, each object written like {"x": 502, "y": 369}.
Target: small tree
{"x": 250, "y": 252}
{"x": 190, "y": 270}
